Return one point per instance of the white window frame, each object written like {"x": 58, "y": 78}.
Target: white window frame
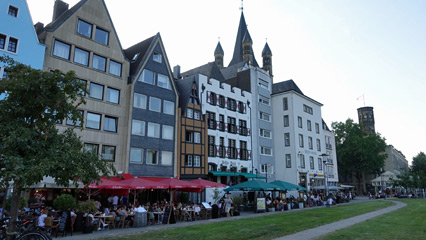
{"x": 138, "y": 125}
{"x": 139, "y": 104}
{"x": 166, "y": 158}
{"x": 265, "y": 116}
{"x": 167, "y": 105}
{"x": 138, "y": 151}
{"x": 263, "y": 151}
{"x": 152, "y": 101}
{"x": 169, "y": 130}
{"x": 196, "y": 161}
{"x": 153, "y": 130}
{"x": 263, "y": 131}
{"x": 154, "y": 158}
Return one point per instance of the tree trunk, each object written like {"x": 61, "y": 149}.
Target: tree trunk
{"x": 16, "y": 198}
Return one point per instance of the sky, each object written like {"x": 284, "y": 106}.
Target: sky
{"x": 343, "y": 54}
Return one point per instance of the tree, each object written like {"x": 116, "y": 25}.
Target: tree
{"x": 358, "y": 152}
{"x": 30, "y": 144}
{"x": 419, "y": 163}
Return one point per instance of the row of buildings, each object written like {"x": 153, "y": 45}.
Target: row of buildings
{"x": 223, "y": 123}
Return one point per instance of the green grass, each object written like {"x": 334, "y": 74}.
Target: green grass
{"x": 405, "y": 223}
{"x": 263, "y": 227}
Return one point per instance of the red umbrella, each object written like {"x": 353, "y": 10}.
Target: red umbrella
{"x": 107, "y": 184}
{"x": 139, "y": 183}
{"x": 176, "y": 183}
{"x": 201, "y": 183}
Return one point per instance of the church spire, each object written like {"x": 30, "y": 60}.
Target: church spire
{"x": 218, "y": 55}
{"x": 267, "y": 59}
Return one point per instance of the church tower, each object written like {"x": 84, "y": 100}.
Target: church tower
{"x": 218, "y": 55}
{"x": 267, "y": 59}
{"x": 366, "y": 118}
{"x": 247, "y": 48}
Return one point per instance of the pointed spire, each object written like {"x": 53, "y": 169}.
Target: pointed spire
{"x": 218, "y": 49}
{"x": 266, "y": 50}
{"x": 247, "y": 38}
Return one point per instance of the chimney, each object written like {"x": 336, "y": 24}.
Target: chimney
{"x": 59, "y": 8}
{"x": 176, "y": 72}
{"x": 38, "y": 27}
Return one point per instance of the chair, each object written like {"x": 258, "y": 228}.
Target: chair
{"x": 123, "y": 222}
{"x": 48, "y": 226}
{"x": 110, "y": 220}
{"x": 72, "y": 223}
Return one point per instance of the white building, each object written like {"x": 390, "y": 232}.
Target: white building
{"x": 299, "y": 138}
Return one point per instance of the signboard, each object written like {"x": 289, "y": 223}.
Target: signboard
{"x": 206, "y": 205}
{"x": 261, "y": 205}
{"x": 63, "y": 221}
{"x": 168, "y": 216}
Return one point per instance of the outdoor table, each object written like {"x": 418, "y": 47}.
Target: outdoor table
{"x": 157, "y": 216}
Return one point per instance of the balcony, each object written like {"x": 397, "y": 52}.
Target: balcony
{"x": 229, "y": 152}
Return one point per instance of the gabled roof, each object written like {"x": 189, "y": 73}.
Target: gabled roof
{"x": 137, "y": 52}
{"x": 184, "y": 88}
{"x": 211, "y": 70}
{"x": 238, "y": 49}
{"x": 266, "y": 50}
{"x": 64, "y": 17}
{"x": 325, "y": 126}
{"x": 218, "y": 49}
{"x": 285, "y": 86}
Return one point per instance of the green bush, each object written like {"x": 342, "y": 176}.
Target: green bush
{"x": 64, "y": 202}
{"x": 88, "y": 206}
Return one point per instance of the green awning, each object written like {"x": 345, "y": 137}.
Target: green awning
{"x": 219, "y": 173}
{"x": 251, "y": 175}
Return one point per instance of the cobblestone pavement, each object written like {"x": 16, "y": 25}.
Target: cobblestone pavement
{"x": 125, "y": 231}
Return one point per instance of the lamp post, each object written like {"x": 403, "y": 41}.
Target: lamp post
{"x": 325, "y": 173}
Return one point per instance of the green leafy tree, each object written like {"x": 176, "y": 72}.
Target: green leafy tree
{"x": 419, "y": 163}
{"x": 30, "y": 144}
{"x": 358, "y": 152}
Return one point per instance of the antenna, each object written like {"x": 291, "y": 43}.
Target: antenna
{"x": 242, "y": 5}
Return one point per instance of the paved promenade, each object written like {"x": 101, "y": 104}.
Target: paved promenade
{"x": 308, "y": 235}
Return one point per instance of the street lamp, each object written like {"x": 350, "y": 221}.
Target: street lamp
{"x": 325, "y": 173}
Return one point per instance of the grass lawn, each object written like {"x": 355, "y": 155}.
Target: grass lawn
{"x": 406, "y": 223}
{"x": 266, "y": 227}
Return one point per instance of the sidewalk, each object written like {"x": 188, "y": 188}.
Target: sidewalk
{"x": 329, "y": 228}
{"x": 125, "y": 231}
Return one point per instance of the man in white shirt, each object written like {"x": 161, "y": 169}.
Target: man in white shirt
{"x": 40, "y": 221}
{"x": 115, "y": 201}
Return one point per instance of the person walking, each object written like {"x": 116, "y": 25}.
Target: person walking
{"x": 228, "y": 204}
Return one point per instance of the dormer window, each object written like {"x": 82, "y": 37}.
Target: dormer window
{"x": 157, "y": 57}
{"x": 13, "y": 11}
{"x": 135, "y": 57}
{"x": 84, "y": 28}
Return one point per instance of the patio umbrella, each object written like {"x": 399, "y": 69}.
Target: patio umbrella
{"x": 288, "y": 186}
{"x": 175, "y": 183}
{"x": 139, "y": 183}
{"x": 254, "y": 185}
{"x": 201, "y": 183}
{"x": 107, "y": 184}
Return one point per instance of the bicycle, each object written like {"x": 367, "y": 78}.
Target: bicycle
{"x": 26, "y": 230}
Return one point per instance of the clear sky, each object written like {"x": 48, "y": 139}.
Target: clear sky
{"x": 335, "y": 51}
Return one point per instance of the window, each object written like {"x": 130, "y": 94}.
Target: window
{"x": 211, "y": 120}
{"x": 265, "y": 116}
{"x": 108, "y": 153}
{"x": 163, "y": 81}
{"x": 146, "y": 77}
{"x": 194, "y": 137}
{"x": 101, "y": 36}
{"x": 138, "y": 127}
{"x": 241, "y": 107}
{"x": 84, "y": 28}
{"x": 167, "y": 132}
{"x": 70, "y": 122}
{"x": 318, "y": 145}
{"x": 300, "y": 140}
{"x": 286, "y": 121}
{"x": 287, "y": 139}
{"x": 93, "y": 121}
{"x": 232, "y": 104}
{"x": 232, "y": 125}
{"x": 157, "y": 57}
{"x": 189, "y": 113}
{"x": 139, "y": 101}
{"x": 265, "y": 133}
{"x": 154, "y": 104}
{"x": 285, "y": 104}
{"x": 299, "y": 122}
{"x": 307, "y": 109}
{"x": 188, "y": 161}
{"x": 310, "y": 144}
{"x": 264, "y": 100}
{"x": 13, "y": 45}
{"x": 81, "y": 56}
{"x": 308, "y": 123}
{"x": 197, "y": 161}
{"x": 136, "y": 155}
{"x": 197, "y": 115}
{"x": 243, "y": 150}
{"x": 2, "y": 41}
{"x": 152, "y": 157}
{"x": 222, "y": 147}
{"x": 168, "y": 107}
{"x": 166, "y": 158}
{"x": 13, "y": 11}
{"x": 319, "y": 164}
{"x": 153, "y": 130}
{"x": 243, "y": 127}
{"x": 263, "y": 84}
{"x": 302, "y": 161}
{"x": 115, "y": 68}
{"x": 266, "y": 151}
{"x": 288, "y": 161}
{"x": 317, "y": 128}
{"x": 61, "y": 50}
{"x": 110, "y": 124}
{"x": 99, "y": 63}
{"x": 94, "y": 148}
{"x": 221, "y": 101}
{"x": 212, "y": 146}
{"x": 232, "y": 148}
{"x": 96, "y": 91}
{"x": 113, "y": 95}
{"x": 84, "y": 88}
{"x": 311, "y": 163}
{"x": 212, "y": 98}
{"x": 221, "y": 122}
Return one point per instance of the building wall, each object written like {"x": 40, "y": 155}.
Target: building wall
{"x": 95, "y": 13}
{"x": 395, "y": 162}
{"x": 28, "y": 51}
{"x": 330, "y": 149}
{"x": 294, "y": 172}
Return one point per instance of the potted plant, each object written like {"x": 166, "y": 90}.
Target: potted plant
{"x": 87, "y": 207}
{"x": 237, "y": 201}
{"x": 271, "y": 207}
{"x": 64, "y": 202}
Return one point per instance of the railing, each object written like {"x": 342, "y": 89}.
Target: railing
{"x": 230, "y": 128}
{"x": 229, "y": 152}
